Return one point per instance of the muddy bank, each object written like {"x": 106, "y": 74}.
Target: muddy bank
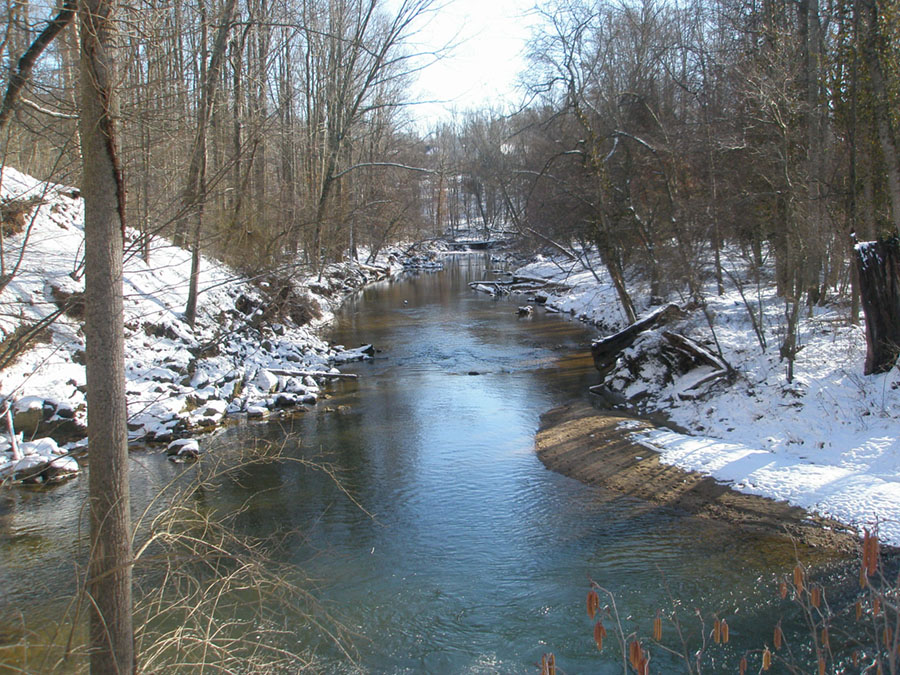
{"x": 588, "y": 444}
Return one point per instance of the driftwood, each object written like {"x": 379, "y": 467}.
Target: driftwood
{"x": 492, "y": 287}
{"x": 312, "y": 373}
{"x": 695, "y": 350}
{"x": 700, "y": 355}
{"x": 606, "y": 350}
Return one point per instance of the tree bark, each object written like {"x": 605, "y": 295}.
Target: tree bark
{"x": 109, "y": 570}
{"x": 878, "y": 263}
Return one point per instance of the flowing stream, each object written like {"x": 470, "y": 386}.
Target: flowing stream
{"x": 447, "y": 547}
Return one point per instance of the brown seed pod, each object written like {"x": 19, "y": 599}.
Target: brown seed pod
{"x": 870, "y": 552}
{"x": 783, "y": 589}
{"x": 821, "y": 666}
{"x": 717, "y": 631}
{"x": 778, "y": 638}
{"x": 815, "y": 596}
{"x": 742, "y": 668}
{"x": 825, "y": 637}
{"x": 593, "y": 603}
{"x": 599, "y": 634}
{"x": 876, "y": 606}
{"x": 859, "y": 610}
{"x": 551, "y": 665}
{"x": 635, "y": 654}
{"x": 657, "y": 627}
{"x": 798, "y": 578}
{"x": 725, "y": 631}
{"x": 644, "y": 665}
{"x": 888, "y": 637}
{"x": 766, "y": 659}
{"x": 854, "y": 658}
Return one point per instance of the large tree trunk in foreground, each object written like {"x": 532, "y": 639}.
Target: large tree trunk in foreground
{"x": 109, "y": 570}
{"x": 878, "y": 263}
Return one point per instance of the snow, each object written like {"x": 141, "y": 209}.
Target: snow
{"x": 179, "y": 379}
{"x": 829, "y": 441}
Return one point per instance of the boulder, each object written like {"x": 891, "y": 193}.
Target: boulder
{"x": 265, "y": 381}
{"x": 28, "y": 414}
{"x": 184, "y": 448}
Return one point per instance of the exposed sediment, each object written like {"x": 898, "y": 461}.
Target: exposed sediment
{"x": 592, "y": 446}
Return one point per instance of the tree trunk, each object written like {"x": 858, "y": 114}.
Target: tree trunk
{"x": 878, "y": 263}
{"x": 871, "y": 50}
{"x": 195, "y": 194}
{"x": 109, "y": 570}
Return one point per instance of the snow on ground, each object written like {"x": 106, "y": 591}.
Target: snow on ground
{"x": 240, "y": 357}
{"x": 829, "y": 441}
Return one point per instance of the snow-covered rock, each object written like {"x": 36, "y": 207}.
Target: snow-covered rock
{"x": 265, "y": 381}
{"x": 184, "y": 448}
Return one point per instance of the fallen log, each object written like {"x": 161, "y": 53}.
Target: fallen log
{"x": 488, "y": 282}
{"x": 312, "y": 373}
{"x": 606, "y": 350}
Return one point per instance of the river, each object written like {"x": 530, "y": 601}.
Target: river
{"x": 443, "y": 545}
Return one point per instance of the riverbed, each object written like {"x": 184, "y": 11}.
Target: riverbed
{"x": 437, "y": 539}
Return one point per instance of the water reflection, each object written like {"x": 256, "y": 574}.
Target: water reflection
{"x": 433, "y": 532}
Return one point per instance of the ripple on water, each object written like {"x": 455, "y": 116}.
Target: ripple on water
{"x": 447, "y": 547}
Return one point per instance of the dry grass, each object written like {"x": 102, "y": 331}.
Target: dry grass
{"x": 208, "y": 599}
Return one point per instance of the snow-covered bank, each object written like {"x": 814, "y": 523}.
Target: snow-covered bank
{"x": 829, "y": 441}
{"x": 253, "y": 349}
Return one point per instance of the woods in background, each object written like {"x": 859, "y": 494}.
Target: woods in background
{"x": 656, "y": 134}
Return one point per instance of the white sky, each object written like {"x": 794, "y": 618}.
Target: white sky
{"x": 482, "y": 69}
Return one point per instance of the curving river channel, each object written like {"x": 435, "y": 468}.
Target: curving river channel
{"x": 448, "y": 547}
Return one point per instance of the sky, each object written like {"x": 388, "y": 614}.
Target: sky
{"x": 481, "y": 70}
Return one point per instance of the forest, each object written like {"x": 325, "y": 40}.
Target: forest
{"x": 277, "y": 134}
{"x": 652, "y": 142}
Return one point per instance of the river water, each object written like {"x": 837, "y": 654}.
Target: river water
{"x": 443, "y": 545}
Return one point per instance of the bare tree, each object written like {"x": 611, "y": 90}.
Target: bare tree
{"x": 109, "y": 572}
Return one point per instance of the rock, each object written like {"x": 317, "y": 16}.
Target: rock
{"x": 28, "y": 414}
{"x": 66, "y": 294}
{"x": 43, "y": 447}
{"x": 185, "y": 448}
{"x": 61, "y": 468}
{"x": 256, "y": 412}
{"x": 64, "y": 410}
{"x": 215, "y": 407}
{"x": 27, "y": 469}
{"x": 265, "y": 381}
{"x": 526, "y": 310}
{"x": 293, "y": 386}
{"x": 285, "y": 401}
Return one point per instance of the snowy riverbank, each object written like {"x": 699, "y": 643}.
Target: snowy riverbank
{"x": 254, "y": 350}
{"x": 829, "y": 441}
